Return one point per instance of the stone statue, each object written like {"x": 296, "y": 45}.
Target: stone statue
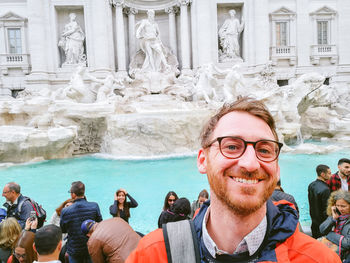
{"x": 106, "y": 90}
{"x": 76, "y": 91}
{"x": 147, "y": 32}
{"x": 229, "y": 38}
{"x": 71, "y": 41}
{"x": 206, "y": 84}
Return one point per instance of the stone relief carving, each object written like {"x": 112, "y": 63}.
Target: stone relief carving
{"x": 72, "y": 42}
{"x": 229, "y": 34}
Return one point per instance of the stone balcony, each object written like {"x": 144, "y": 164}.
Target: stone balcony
{"x": 8, "y": 61}
{"x": 323, "y": 51}
{"x": 283, "y": 53}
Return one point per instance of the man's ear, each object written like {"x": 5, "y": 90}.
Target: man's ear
{"x": 202, "y": 161}
{"x": 59, "y": 246}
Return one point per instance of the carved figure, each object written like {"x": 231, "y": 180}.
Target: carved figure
{"x": 233, "y": 84}
{"x": 71, "y": 41}
{"x": 229, "y": 37}
{"x": 147, "y": 32}
{"x": 206, "y": 83}
{"x": 109, "y": 84}
{"x": 76, "y": 90}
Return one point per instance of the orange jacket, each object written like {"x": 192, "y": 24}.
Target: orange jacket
{"x": 297, "y": 248}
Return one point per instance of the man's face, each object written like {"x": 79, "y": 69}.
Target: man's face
{"x": 151, "y": 16}
{"x": 344, "y": 169}
{"x": 8, "y": 194}
{"x": 244, "y": 184}
{"x": 327, "y": 175}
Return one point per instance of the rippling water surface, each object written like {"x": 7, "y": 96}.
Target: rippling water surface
{"x": 147, "y": 181}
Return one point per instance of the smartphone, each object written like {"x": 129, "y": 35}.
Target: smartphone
{"x": 337, "y": 211}
{"x": 32, "y": 215}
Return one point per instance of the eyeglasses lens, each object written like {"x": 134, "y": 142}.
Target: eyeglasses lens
{"x": 235, "y": 147}
{"x": 20, "y": 255}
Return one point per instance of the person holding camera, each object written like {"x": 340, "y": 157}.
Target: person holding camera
{"x": 12, "y": 193}
{"x": 339, "y": 220}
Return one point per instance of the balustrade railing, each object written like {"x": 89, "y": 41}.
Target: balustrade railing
{"x": 13, "y": 59}
{"x": 8, "y": 61}
{"x": 283, "y": 51}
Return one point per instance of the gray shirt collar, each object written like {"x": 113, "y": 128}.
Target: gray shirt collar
{"x": 250, "y": 242}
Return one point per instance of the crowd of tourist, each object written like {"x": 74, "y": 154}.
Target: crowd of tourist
{"x": 84, "y": 236}
{"x": 248, "y": 218}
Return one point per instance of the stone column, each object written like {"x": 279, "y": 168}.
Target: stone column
{"x": 185, "y": 35}
{"x": 343, "y": 31}
{"x": 103, "y": 50}
{"x": 172, "y": 28}
{"x": 37, "y": 37}
{"x": 132, "y": 40}
{"x": 262, "y": 37}
{"x": 303, "y": 33}
{"x": 119, "y": 20}
{"x": 2, "y": 38}
{"x": 250, "y": 32}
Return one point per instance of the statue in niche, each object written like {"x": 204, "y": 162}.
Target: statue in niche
{"x": 72, "y": 42}
{"x": 229, "y": 38}
{"x": 147, "y": 32}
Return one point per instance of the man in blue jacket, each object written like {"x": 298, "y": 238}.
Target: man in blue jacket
{"x": 14, "y": 198}
{"x": 71, "y": 219}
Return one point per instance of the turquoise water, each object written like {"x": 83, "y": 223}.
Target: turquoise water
{"x": 147, "y": 181}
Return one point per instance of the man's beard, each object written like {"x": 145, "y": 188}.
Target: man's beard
{"x": 241, "y": 206}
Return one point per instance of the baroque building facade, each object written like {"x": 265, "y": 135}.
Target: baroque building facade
{"x": 42, "y": 41}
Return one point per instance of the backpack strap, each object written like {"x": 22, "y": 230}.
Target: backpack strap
{"x": 181, "y": 242}
{"x": 19, "y": 207}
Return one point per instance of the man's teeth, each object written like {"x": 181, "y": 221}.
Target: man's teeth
{"x": 244, "y": 181}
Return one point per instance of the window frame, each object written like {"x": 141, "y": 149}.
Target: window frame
{"x": 279, "y": 33}
{"x": 18, "y": 45}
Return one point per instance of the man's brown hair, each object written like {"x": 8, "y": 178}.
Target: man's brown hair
{"x": 244, "y": 104}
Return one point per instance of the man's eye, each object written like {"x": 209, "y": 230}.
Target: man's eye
{"x": 231, "y": 147}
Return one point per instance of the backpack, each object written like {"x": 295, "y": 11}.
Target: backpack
{"x": 40, "y": 212}
{"x": 3, "y": 214}
{"x": 181, "y": 242}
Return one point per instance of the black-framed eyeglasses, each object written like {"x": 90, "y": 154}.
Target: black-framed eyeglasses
{"x": 234, "y": 147}
{"x": 18, "y": 256}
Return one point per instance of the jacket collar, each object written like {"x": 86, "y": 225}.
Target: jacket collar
{"x": 282, "y": 221}
{"x": 8, "y": 204}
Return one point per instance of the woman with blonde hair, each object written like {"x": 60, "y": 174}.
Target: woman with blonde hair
{"x": 24, "y": 252}
{"x": 9, "y": 233}
{"x": 337, "y": 226}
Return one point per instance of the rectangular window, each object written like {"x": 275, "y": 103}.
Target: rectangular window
{"x": 322, "y": 32}
{"x": 14, "y": 40}
{"x": 281, "y": 34}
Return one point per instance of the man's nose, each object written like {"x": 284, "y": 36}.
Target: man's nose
{"x": 248, "y": 160}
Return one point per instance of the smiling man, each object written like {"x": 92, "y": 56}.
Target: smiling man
{"x": 239, "y": 154}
